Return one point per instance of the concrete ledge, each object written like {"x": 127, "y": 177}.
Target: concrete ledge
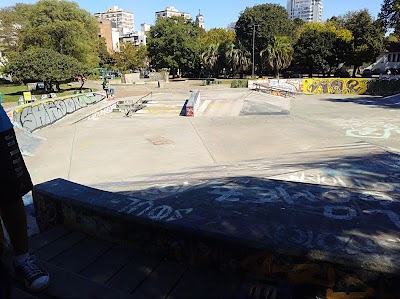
{"x": 247, "y": 224}
{"x": 193, "y": 104}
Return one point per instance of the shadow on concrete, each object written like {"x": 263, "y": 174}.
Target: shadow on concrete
{"x": 183, "y": 111}
{"x": 278, "y": 227}
{"x": 350, "y": 217}
{"x": 375, "y": 102}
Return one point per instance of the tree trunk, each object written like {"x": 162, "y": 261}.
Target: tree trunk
{"x": 354, "y": 71}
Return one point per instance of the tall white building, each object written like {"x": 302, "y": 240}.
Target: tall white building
{"x": 307, "y": 10}
{"x": 123, "y": 19}
{"x": 171, "y": 11}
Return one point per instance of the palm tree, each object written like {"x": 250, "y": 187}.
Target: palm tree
{"x": 238, "y": 59}
{"x": 210, "y": 58}
{"x": 279, "y": 54}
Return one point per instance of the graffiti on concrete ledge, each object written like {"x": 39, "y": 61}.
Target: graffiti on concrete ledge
{"x": 340, "y": 86}
{"x": 38, "y": 115}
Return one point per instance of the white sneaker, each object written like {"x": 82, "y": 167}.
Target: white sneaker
{"x": 32, "y": 275}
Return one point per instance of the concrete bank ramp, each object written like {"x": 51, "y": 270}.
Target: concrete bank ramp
{"x": 259, "y": 226}
{"x": 250, "y": 103}
{"x": 28, "y": 142}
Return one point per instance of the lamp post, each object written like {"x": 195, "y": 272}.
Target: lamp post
{"x": 254, "y": 37}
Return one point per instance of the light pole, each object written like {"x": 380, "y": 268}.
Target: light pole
{"x": 254, "y": 37}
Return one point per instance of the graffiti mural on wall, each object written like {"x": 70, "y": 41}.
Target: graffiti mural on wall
{"x": 38, "y": 115}
{"x": 294, "y": 85}
{"x": 340, "y": 86}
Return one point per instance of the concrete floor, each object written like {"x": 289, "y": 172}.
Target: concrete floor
{"x": 237, "y": 126}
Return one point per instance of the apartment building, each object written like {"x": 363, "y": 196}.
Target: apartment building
{"x": 122, "y": 19}
{"x": 171, "y": 11}
{"x": 307, "y": 10}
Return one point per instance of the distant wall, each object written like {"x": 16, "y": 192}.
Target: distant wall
{"x": 41, "y": 114}
{"x": 339, "y": 85}
{"x": 316, "y": 85}
{"x": 295, "y": 85}
{"x": 130, "y": 78}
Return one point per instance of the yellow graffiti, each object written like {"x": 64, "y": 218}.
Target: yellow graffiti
{"x": 326, "y": 276}
{"x": 339, "y": 86}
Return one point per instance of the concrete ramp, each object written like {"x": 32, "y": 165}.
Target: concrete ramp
{"x": 252, "y": 103}
{"x": 28, "y": 142}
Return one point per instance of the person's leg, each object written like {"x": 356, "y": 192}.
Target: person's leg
{"x": 26, "y": 269}
{"x": 14, "y": 218}
{"x": 112, "y": 91}
{"x": 15, "y": 183}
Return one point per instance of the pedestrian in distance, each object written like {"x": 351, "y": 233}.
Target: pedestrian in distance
{"x": 15, "y": 182}
{"x": 108, "y": 89}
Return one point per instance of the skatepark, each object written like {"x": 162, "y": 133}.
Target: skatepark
{"x": 288, "y": 181}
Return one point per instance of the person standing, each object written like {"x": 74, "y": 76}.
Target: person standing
{"x": 15, "y": 182}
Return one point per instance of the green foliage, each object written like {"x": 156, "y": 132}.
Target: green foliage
{"x": 12, "y": 19}
{"x": 321, "y": 47}
{"x": 216, "y": 36}
{"x": 131, "y": 57}
{"x": 383, "y": 87}
{"x": 210, "y": 58}
{"x": 368, "y": 38}
{"x": 272, "y": 20}
{"x": 106, "y": 60}
{"x": 239, "y": 83}
{"x": 174, "y": 43}
{"x": 390, "y": 15}
{"x": 63, "y": 27}
{"x": 38, "y": 64}
{"x": 238, "y": 58}
{"x": 279, "y": 54}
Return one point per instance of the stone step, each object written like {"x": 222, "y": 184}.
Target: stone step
{"x": 81, "y": 266}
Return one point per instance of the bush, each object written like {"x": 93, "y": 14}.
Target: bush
{"x": 384, "y": 87}
{"x": 239, "y": 83}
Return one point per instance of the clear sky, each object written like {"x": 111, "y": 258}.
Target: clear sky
{"x": 217, "y": 13}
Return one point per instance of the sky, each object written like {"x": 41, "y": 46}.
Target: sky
{"x": 217, "y": 13}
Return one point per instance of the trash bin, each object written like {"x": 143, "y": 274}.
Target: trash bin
{"x": 204, "y": 83}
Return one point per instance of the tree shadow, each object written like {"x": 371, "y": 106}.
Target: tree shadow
{"x": 392, "y": 102}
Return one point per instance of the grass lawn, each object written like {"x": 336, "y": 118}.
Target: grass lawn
{"x": 11, "y": 93}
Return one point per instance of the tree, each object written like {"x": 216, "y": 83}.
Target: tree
{"x": 49, "y": 66}
{"x": 213, "y": 45}
{"x": 390, "y": 15}
{"x": 321, "y": 47}
{"x": 210, "y": 58}
{"x": 279, "y": 54}
{"x": 238, "y": 58}
{"x": 272, "y": 20}
{"x": 62, "y": 26}
{"x": 131, "y": 57}
{"x": 106, "y": 60}
{"x": 368, "y": 38}
{"x": 216, "y": 36}
{"x": 173, "y": 43}
{"x": 12, "y": 19}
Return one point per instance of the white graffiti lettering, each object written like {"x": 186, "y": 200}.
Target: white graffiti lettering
{"x": 39, "y": 115}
